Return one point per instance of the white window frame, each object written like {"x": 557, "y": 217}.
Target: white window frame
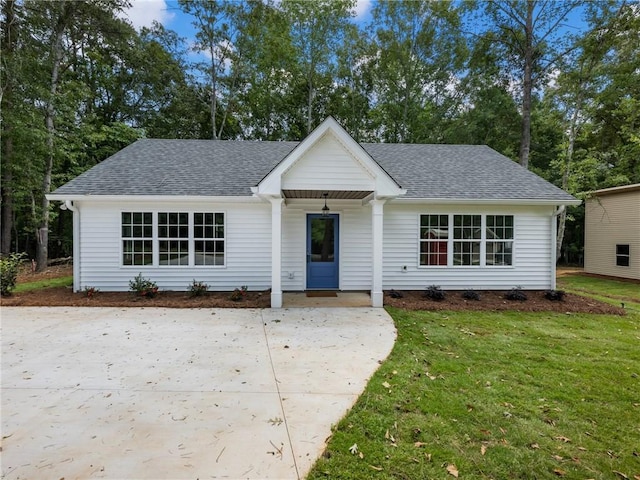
{"x": 134, "y": 239}
{"x": 155, "y": 239}
{"x": 504, "y": 241}
{"x": 623, "y": 255}
{"x": 483, "y": 241}
{"x": 192, "y": 246}
{"x": 172, "y": 239}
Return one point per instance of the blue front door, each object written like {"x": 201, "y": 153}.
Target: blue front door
{"x": 322, "y": 251}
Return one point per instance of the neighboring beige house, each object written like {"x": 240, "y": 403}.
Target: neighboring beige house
{"x": 612, "y": 232}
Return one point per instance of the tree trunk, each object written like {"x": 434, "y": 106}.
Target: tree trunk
{"x": 525, "y": 137}
{"x": 573, "y": 128}
{"x": 42, "y": 233}
{"x": 8, "y": 48}
{"x": 310, "y": 104}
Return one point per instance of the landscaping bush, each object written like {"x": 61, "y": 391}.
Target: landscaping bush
{"x": 198, "y": 289}
{"x": 9, "y": 272}
{"x": 238, "y": 294}
{"x": 554, "y": 295}
{"x": 516, "y": 294}
{"x": 90, "y": 291}
{"x": 143, "y": 287}
{"x": 435, "y": 293}
{"x": 471, "y": 294}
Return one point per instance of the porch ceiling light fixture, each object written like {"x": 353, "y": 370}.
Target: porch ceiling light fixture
{"x": 325, "y": 209}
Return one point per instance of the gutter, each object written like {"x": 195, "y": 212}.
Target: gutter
{"x": 69, "y": 205}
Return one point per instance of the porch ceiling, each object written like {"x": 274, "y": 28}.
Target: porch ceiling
{"x": 332, "y": 194}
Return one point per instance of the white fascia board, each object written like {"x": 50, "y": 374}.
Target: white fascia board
{"x": 153, "y": 198}
{"x": 486, "y": 201}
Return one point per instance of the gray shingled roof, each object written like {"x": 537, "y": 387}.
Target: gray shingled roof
{"x": 231, "y": 168}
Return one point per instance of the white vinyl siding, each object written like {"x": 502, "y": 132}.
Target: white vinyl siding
{"x": 354, "y": 246}
{"x": 531, "y": 250}
{"x": 317, "y": 168}
{"x": 247, "y": 244}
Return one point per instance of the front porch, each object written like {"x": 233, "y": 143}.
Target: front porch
{"x": 341, "y": 300}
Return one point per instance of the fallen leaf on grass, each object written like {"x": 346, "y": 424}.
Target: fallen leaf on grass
{"x": 452, "y": 470}
{"x": 562, "y": 439}
{"x": 621, "y": 475}
{"x": 377, "y": 469}
{"x": 636, "y": 477}
{"x": 419, "y": 444}
{"x": 386, "y": 385}
{"x": 535, "y": 446}
{"x": 557, "y": 457}
{"x": 353, "y": 449}
{"x": 558, "y": 472}
{"x": 361, "y": 455}
{"x": 483, "y": 449}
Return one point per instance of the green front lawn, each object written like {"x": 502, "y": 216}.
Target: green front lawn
{"x": 497, "y": 396}
{"x": 48, "y": 283}
{"x": 605, "y": 289}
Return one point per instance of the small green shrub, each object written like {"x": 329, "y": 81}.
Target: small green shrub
{"x": 197, "y": 289}
{"x": 516, "y": 294}
{"x": 91, "y": 291}
{"x": 143, "y": 287}
{"x": 554, "y": 295}
{"x": 471, "y": 294}
{"x": 435, "y": 293}
{"x": 9, "y": 272}
{"x": 238, "y": 294}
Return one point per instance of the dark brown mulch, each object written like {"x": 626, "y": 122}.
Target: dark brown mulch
{"x": 495, "y": 301}
{"x": 412, "y": 300}
{"x": 64, "y": 297}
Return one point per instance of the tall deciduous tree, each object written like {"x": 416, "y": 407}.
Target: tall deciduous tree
{"x": 417, "y": 51}
{"x": 531, "y": 43}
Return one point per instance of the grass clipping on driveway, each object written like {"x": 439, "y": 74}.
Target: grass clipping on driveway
{"x": 497, "y": 395}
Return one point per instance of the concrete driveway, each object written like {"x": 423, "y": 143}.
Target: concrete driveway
{"x": 165, "y": 393}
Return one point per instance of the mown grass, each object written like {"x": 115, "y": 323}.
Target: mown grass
{"x": 606, "y": 290}
{"x": 47, "y": 283}
{"x": 499, "y": 396}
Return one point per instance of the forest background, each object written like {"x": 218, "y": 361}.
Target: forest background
{"x": 554, "y": 85}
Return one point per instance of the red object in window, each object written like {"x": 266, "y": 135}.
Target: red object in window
{"x": 437, "y": 251}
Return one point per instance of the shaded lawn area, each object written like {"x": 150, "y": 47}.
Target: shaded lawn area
{"x": 65, "y": 281}
{"x": 507, "y": 395}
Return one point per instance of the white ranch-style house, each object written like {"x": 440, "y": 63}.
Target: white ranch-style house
{"x": 325, "y": 213}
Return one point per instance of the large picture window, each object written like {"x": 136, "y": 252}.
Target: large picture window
{"x": 499, "y": 235}
{"x": 181, "y": 238}
{"x": 173, "y": 234}
{"x": 434, "y": 233}
{"x": 208, "y": 231}
{"x": 466, "y": 240}
{"x": 137, "y": 238}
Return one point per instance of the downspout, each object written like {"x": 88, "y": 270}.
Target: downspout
{"x": 69, "y": 205}
{"x": 554, "y": 234}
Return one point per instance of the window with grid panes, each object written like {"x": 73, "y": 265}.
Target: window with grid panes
{"x": 499, "y": 238}
{"x": 173, "y": 238}
{"x": 434, "y": 234}
{"x": 467, "y": 235}
{"x": 209, "y": 238}
{"x": 137, "y": 238}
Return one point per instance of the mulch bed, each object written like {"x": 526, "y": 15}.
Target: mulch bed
{"x": 495, "y": 301}
{"x": 412, "y": 300}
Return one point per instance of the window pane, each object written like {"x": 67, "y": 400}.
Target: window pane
{"x": 137, "y": 218}
{"x": 322, "y": 239}
{"x": 162, "y": 218}
{"x": 622, "y": 249}
{"x": 126, "y": 230}
{"x": 219, "y": 218}
{"x": 126, "y": 217}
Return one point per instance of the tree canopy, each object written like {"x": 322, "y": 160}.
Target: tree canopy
{"x": 553, "y": 85}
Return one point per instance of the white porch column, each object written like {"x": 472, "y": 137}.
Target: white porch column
{"x": 276, "y": 252}
{"x": 376, "y": 253}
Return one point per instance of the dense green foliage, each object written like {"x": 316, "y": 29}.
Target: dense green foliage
{"x": 9, "y": 272}
{"x": 79, "y": 83}
{"x": 496, "y": 395}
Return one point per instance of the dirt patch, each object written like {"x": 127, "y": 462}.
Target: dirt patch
{"x": 26, "y": 273}
{"x": 495, "y": 301}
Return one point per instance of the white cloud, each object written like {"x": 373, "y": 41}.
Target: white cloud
{"x": 362, "y": 8}
{"x": 143, "y": 12}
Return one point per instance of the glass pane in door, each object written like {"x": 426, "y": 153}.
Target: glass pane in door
{"x": 322, "y": 239}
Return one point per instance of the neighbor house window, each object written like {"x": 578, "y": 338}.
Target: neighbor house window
{"x": 434, "y": 235}
{"x": 137, "y": 238}
{"x": 467, "y": 235}
{"x": 173, "y": 235}
{"x": 209, "y": 236}
{"x": 622, "y": 255}
{"x": 499, "y": 237}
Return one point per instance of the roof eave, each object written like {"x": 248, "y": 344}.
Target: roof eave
{"x": 61, "y": 197}
{"x": 490, "y": 201}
